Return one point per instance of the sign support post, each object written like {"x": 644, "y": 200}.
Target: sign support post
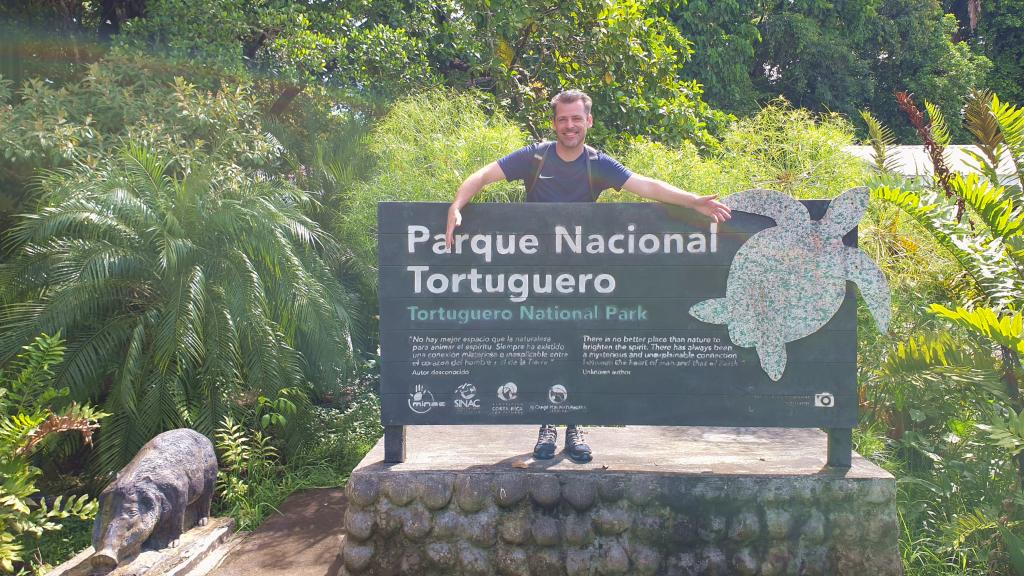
{"x": 840, "y": 447}
{"x": 394, "y": 444}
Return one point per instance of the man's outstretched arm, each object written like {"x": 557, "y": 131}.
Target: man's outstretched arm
{"x": 469, "y": 188}
{"x": 669, "y": 194}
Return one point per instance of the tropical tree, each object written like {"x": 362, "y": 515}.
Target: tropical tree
{"x": 1001, "y": 36}
{"x": 182, "y": 291}
{"x": 625, "y": 54}
{"x": 834, "y": 56}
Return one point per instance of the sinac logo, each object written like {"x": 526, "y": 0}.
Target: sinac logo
{"x": 466, "y": 391}
{"x": 465, "y": 396}
{"x": 557, "y": 394}
{"x": 508, "y": 391}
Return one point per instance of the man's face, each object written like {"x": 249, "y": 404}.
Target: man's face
{"x": 571, "y": 123}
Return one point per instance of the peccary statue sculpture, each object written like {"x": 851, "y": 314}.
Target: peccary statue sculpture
{"x": 165, "y": 490}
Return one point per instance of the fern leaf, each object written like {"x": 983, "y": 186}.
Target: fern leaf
{"x": 967, "y": 525}
{"x": 883, "y": 140}
{"x": 1011, "y": 123}
{"x": 924, "y": 353}
{"x": 940, "y": 130}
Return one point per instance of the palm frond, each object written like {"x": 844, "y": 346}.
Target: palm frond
{"x": 984, "y": 260}
{"x": 180, "y": 294}
{"x": 1005, "y": 329}
{"x": 998, "y": 209}
{"x": 988, "y": 137}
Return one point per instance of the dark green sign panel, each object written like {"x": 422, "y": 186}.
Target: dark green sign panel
{"x": 581, "y": 313}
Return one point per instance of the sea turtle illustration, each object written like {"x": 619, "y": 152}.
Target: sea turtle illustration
{"x": 787, "y": 281}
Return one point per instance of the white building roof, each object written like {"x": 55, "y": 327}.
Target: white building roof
{"x": 913, "y": 161}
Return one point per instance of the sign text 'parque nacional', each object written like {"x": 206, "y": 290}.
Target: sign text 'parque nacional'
{"x": 624, "y": 313}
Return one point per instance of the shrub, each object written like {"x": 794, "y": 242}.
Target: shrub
{"x": 422, "y": 150}
{"x": 28, "y": 418}
{"x": 790, "y": 150}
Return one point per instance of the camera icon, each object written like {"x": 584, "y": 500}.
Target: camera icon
{"x": 824, "y": 400}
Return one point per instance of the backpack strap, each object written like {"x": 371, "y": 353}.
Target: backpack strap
{"x": 538, "y": 157}
{"x": 591, "y": 153}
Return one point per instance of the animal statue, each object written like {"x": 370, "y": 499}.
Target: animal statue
{"x": 786, "y": 282}
{"x": 165, "y": 490}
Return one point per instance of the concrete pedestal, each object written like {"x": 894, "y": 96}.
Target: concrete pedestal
{"x": 655, "y": 500}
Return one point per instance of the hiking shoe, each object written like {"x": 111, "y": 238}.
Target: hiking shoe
{"x": 576, "y": 445}
{"x": 544, "y": 449}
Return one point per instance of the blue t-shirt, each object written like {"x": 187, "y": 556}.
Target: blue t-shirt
{"x": 561, "y": 181}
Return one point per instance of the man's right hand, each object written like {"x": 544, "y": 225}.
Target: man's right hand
{"x": 454, "y": 220}
{"x": 477, "y": 180}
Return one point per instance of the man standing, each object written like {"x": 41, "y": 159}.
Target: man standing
{"x": 570, "y": 171}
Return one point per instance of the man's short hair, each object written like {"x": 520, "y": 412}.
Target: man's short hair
{"x": 570, "y": 96}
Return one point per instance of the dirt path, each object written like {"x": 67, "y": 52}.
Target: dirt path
{"x": 303, "y": 540}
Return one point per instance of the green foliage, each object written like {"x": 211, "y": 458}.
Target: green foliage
{"x": 1014, "y": 548}
{"x": 946, "y": 71}
{"x": 987, "y": 135}
{"x": 1001, "y": 36}
{"x": 365, "y": 60}
{"x": 793, "y": 151}
{"x": 254, "y": 479}
{"x": 121, "y": 99}
{"x": 210, "y": 35}
{"x": 247, "y": 462}
{"x": 55, "y": 548}
{"x": 976, "y": 373}
{"x": 342, "y": 433}
{"x": 421, "y": 151}
{"x": 1006, "y": 329}
{"x": 29, "y": 416}
{"x": 1010, "y": 119}
{"x": 982, "y": 258}
{"x": 800, "y": 40}
{"x": 829, "y": 56}
{"x": 725, "y": 36}
{"x": 184, "y": 291}
{"x": 914, "y": 50}
{"x": 1007, "y": 432}
{"x": 940, "y": 130}
{"x": 133, "y": 98}
{"x": 624, "y": 53}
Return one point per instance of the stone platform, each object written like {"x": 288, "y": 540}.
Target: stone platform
{"x": 655, "y": 500}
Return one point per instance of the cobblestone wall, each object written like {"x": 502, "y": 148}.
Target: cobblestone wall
{"x": 521, "y": 523}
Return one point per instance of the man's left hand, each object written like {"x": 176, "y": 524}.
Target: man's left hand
{"x": 712, "y": 208}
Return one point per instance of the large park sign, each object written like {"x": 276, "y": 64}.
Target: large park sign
{"x": 625, "y": 314}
